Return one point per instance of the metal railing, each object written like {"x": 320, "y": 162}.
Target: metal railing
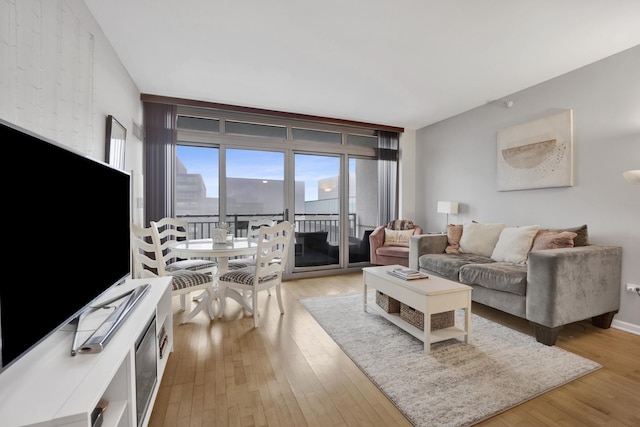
{"x": 200, "y": 226}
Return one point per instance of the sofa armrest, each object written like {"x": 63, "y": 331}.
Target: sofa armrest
{"x": 425, "y": 244}
{"x": 573, "y": 284}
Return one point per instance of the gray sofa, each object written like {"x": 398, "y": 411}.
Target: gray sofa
{"x": 553, "y": 288}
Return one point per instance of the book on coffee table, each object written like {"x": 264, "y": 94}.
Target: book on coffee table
{"x": 407, "y": 273}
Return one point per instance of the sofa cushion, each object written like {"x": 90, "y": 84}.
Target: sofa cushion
{"x": 499, "y": 276}
{"x": 514, "y": 244}
{"x": 448, "y": 265}
{"x": 546, "y": 239}
{"x": 397, "y": 237}
{"x": 479, "y": 239}
{"x": 454, "y": 233}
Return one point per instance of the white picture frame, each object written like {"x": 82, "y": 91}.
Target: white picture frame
{"x": 536, "y": 154}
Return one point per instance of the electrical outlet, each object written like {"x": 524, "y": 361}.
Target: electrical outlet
{"x": 633, "y": 288}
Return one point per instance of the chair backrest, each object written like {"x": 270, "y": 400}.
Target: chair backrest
{"x": 254, "y": 226}
{"x": 146, "y": 254}
{"x": 273, "y": 250}
{"x": 169, "y": 229}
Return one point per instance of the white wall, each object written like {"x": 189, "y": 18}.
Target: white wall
{"x": 456, "y": 161}
{"x": 61, "y": 78}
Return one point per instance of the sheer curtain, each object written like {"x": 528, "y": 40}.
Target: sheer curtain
{"x": 387, "y": 176}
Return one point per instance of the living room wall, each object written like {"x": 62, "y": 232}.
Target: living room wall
{"x": 62, "y": 78}
{"x": 456, "y": 161}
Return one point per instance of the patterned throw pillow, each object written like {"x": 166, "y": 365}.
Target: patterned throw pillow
{"x": 400, "y": 224}
{"x": 397, "y": 237}
{"x": 454, "y": 233}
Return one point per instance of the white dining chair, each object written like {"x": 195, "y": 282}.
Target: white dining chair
{"x": 148, "y": 262}
{"x": 252, "y": 234}
{"x": 244, "y": 285}
{"x": 169, "y": 230}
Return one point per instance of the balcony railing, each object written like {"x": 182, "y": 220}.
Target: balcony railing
{"x": 200, "y": 226}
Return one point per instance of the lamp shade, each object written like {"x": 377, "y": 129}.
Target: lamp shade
{"x": 633, "y": 176}
{"x": 448, "y": 207}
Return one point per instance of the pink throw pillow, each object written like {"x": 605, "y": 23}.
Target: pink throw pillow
{"x": 546, "y": 239}
{"x": 454, "y": 233}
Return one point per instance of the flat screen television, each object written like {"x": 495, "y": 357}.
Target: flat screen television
{"x": 66, "y": 237}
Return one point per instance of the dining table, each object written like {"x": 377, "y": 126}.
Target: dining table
{"x": 208, "y": 248}
{"x": 222, "y": 251}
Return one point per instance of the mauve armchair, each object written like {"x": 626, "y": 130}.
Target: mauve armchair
{"x": 389, "y": 243}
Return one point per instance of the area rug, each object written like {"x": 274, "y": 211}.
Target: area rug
{"x": 457, "y": 384}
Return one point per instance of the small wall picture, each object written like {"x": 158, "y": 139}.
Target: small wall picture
{"x": 536, "y": 154}
{"x": 115, "y": 143}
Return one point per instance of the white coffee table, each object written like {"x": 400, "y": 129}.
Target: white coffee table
{"x": 432, "y": 295}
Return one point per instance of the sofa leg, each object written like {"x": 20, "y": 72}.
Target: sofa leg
{"x": 545, "y": 334}
{"x": 604, "y": 320}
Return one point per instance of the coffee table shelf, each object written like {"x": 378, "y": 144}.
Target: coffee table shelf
{"x": 430, "y": 296}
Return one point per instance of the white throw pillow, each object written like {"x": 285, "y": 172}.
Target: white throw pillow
{"x": 514, "y": 244}
{"x": 479, "y": 239}
{"x": 397, "y": 237}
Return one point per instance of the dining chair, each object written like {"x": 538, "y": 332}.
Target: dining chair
{"x": 170, "y": 229}
{"x": 252, "y": 234}
{"x": 244, "y": 285}
{"x": 148, "y": 262}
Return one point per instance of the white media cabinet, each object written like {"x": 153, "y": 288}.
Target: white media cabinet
{"x": 49, "y": 387}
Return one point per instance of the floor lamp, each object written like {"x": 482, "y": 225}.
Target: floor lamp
{"x": 447, "y": 208}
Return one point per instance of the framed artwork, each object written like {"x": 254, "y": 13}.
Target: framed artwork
{"x": 536, "y": 154}
{"x": 115, "y": 143}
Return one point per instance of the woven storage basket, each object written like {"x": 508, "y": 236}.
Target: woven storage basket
{"x": 387, "y": 303}
{"x": 416, "y": 318}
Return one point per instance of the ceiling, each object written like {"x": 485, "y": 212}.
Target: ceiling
{"x": 405, "y": 63}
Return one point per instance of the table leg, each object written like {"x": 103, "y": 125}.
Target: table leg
{"x": 364, "y": 298}
{"x": 427, "y": 332}
{"x": 467, "y": 320}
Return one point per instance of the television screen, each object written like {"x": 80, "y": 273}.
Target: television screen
{"x": 68, "y": 242}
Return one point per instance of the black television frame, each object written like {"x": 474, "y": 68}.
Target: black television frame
{"x": 58, "y": 197}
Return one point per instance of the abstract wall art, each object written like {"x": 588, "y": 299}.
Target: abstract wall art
{"x": 536, "y": 154}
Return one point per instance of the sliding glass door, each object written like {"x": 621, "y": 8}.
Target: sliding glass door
{"x": 323, "y": 178}
{"x": 317, "y": 215}
{"x": 363, "y": 208}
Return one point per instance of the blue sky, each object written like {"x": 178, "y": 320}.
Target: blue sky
{"x": 257, "y": 165}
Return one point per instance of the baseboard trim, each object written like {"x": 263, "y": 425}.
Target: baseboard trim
{"x": 626, "y": 326}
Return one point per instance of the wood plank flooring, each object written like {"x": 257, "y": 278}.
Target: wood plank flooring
{"x": 288, "y": 372}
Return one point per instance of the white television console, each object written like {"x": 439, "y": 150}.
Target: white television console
{"x": 49, "y": 387}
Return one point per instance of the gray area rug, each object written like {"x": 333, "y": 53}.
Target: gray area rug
{"x": 456, "y": 384}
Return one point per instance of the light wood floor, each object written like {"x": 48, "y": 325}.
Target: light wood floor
{"x": 288, "y": 372}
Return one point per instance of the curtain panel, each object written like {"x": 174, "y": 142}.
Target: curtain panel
{"x": 160, "y": 137}
{"x": 388, "y": 143}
